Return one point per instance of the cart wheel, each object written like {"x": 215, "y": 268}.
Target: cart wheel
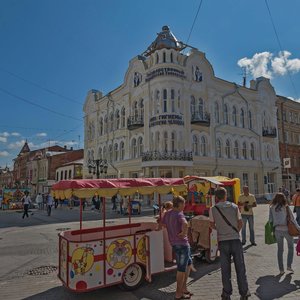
{"x": 133, "y": 276}
{"x": 208, "y": 258}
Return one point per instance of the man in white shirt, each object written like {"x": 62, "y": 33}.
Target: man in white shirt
{"x": 39, "y": 200}
{"x": 26, "y": 201}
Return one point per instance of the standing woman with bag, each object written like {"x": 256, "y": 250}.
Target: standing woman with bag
{"x": 278, "y": 215}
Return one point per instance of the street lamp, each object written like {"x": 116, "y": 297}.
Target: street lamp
{"x": 97, "y": 166}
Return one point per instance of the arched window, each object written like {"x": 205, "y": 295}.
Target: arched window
{"x": 142, "y": 108}
{"x": 227, "y": 149}
{"x": 203, "y": 146}
{"x": 117, "y": 119}
{"x": 101, "y": 126}
{"x": 172, "y": 100}
{"x": 140, "y": 146}
{"x": 123, "y": 117}
{"x": 201, "y": 108}
{"x": 173, "y": 141}
{"x": 134, "y": 149}
{"x": 178, "y": 101}
{"x": 157, "y": 58}
{"x": 165, "y": 98}
{"x": 242, "y": 118}
{"x": 244, "y": 150}
{"x": 219, "y": 148}
{"x": 122, "y": 150}
{"x": 165, "y": 145}
{"x": 252, "y": 151}
{"x": 236, "y": 150}
{"x": 164, "y": 57}
{"x": 234, "y": 120}
{"x": 116, "y": 152}
{"x": 111, "y": 122}
{"x": 250, "y": 119}
{"x": 226, "y": 114}
{"x": 135, "y": 110}
{"x": 171, "y": 57}
{"x": 217, "y": 115}
{"x": 100, "y": 153}
{"x": 157, "y": 99}
{"x": 193, "y": 106}
{"x": 195, "y": 145}
{"x": 110, "y": 152}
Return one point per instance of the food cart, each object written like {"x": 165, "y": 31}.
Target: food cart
{"x": 98, "y": 257}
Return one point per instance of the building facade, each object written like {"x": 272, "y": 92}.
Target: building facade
{"x": 173, "y": 117}
{"x": 288, "y": 115}
{"x": 70, "y": 170}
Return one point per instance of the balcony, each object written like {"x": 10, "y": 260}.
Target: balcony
{"x": 200, "y": 119}
{"x": 134, "y": 122}
{"x": 269, "y": 132}
{"x": 167, "y": 155}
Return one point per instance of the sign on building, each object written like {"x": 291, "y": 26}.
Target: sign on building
{"x": 287, "y": 163}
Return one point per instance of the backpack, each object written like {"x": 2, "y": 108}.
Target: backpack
{"x": 298, "y": 248}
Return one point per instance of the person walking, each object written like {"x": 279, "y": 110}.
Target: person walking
{"x": 225, "y": 217}
{"x": 246, "y": 202}
{"x": 177, "y": 227}
{"x": 296, "y": 202}
{"x": 39, "y": 201}
{"x": 278, "y": 216}
{"x": 49, "y": 204}
{"x": 26, "y": 202}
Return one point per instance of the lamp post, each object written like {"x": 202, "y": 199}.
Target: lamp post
{"x": 97, "y": 166}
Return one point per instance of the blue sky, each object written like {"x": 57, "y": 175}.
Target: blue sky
{"x": 54, "y": 51}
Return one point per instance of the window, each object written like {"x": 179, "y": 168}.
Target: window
{"x": 141, "y": 146}
{"x": 101, "y": 126}
{"x": 123, "y": 117}
{"x": 219, "y": 148}
{"x": 104, "y": 153}
{"x": 172, "y": 100}
{"x": 252, "y": 151}
{"x": 193, "y": 106}
{"x": 62, "y": 175}
{"x": 165, "y": 97}
{"x": 171, "y": 57}
{"x": 134, "y": 149}
{"x": 178, "y": 101}
{"x": 227, "y": 149}
{"x": 201, "y": 108}
{"x": 231, "y": 175}
{"x": 245, "y": 179}
{"x": 284, "y": 115}
{"x": 255, "y": 177}
{"x": 66, "y": 174}
{"x": 122, "y": 150}
{"x": 142, "y": 108}
{"x": 234, "y": 121}
{"x": 70, "y": 174}
{"x": 244, "y": 150}
{"x": 117, "y": 114}
{"x": 195, "y": 145}
{"x": 217, "y": 116}
{"x": 226, "y": 114}
{"x": 100, "y": 153}
{"x": 105, "y": 125}
{"x": 203, "y": 146}
{"x": 57, "y": 176}
{"x": 164, "y": 57}
{"x": 268, "y": 152}
{"x": 157, "y": 58}
{"x": 110, "y": 153}
{"x": 157, "y": 99}
{"x": 116, "y": 152}
{"x": 157, "y": 140}
{"x": 173, "y": 141}
{"x": 242, "y": 118}
{"x": 236, "y": 151}
{"x": 135, "y": 110}
{"x": 165, "y": 145}
{"x": 111, "y": 122}
{"x": 250, "y": 119}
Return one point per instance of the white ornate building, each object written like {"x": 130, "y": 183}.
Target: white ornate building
{"x": 172, "y": 117}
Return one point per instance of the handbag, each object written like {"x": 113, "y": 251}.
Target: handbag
{"x": 292, "y": 228}
{"x": 298, "y": 248}
{"x": 269, "y": 234}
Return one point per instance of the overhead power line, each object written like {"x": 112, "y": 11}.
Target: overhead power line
{"x": 281, "y": 49}
{"x": 38, "y": 105}
{"x": 40, "y": 87}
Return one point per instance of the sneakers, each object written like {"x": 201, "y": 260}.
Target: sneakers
{"x": 290, "y": 270}
{"x": 254, "y": 244}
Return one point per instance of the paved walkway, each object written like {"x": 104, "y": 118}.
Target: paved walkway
{"x": 32, "y": 243}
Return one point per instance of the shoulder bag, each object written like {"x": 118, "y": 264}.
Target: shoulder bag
{"x": 226, "y": 220}
{"x": 292, "y": 228}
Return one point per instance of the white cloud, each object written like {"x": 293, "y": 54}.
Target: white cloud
{"x": 15, "y": 134}
{"x": 6, "y": 134}
{"x": 267, "y": 65}
{"x": 4, "y": 154}
{"x": 41, "y": 134}
{"x": 16, "y": 145}
{"x": 3, "y": 139}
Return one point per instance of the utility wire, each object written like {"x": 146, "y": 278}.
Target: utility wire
{"x": 38, "y": 105}
{"x": 40, "y": 87}
{"x": 195, "y": 18}
{"x": 280, "y": 47}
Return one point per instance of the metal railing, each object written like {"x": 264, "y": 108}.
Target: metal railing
{"x": 167, "y": 155}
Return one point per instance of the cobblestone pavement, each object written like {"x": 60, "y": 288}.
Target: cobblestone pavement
{"x": 29, "y": 258}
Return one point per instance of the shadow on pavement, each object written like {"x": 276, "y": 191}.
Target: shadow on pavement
{"x": 274, "y": 287}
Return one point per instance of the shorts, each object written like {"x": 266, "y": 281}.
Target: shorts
{"x": 183, "y": 257}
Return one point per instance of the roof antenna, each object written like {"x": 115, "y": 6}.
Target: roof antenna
{"x": 244, "y": 76}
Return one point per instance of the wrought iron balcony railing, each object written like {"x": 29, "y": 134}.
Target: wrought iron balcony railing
{"x": 269, "y": 132}
{"x": 134, "y": 122}
{"x": 201, "y": 119}
{"x": 167, "y": 155}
